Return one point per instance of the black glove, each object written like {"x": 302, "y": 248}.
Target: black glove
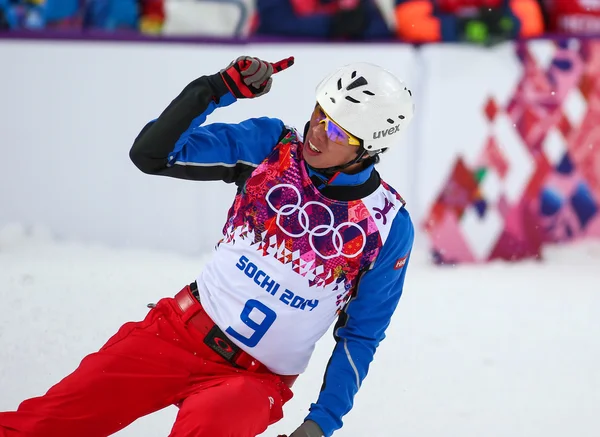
{"x": 307, "y": 429}
{"x": 488, "y": 26}
{"x": 350, "y": 23}
{"x": 249, "y": 77}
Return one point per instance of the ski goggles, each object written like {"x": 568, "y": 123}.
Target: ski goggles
{"x": 334, "y": 131}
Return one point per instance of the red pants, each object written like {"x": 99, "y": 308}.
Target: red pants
{"x": 145, "y": 367}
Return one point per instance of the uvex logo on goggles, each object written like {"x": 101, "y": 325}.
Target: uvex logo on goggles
{"x": 386, "y": 132}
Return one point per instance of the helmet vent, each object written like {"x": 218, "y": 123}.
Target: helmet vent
{"x": 401, "y": 117}
{"x": 353, "y": 74}
{"x": 390, "y": 121}
{"x": 350, "y": 99}
{"x": 339, "y": 84}
{"x": 361, "y": 81}
{"x": 409, "y": 92}
{"x": 332, "y": 99}
{"x": 369, "y": 93}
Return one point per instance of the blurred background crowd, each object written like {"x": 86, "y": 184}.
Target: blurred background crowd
{"x": 414, "y": 21}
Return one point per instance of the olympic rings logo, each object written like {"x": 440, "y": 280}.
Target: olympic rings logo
{"x": 317, "y": 231}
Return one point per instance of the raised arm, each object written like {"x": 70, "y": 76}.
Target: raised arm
{"x": 176, "y": 144}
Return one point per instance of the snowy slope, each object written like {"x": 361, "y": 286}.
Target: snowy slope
{"x": 496, "y": 351}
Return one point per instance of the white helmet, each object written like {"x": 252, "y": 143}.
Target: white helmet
{"x": 369, "y": 102}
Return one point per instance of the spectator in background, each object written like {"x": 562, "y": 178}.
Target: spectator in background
{"x": 38, "y": 14}
{"x": 581, "y": 17}
{"x": 152, "y": 16}
{"x": 144, "y": 15}
{"x": 476, "y": 21}
{"x": 331, "y": 19}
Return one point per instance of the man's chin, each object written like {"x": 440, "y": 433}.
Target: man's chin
{"x": 314, "y": 163}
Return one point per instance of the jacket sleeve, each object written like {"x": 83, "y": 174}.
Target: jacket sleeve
{"x": 176, "y": 144}
{"x": 361, "y": 327}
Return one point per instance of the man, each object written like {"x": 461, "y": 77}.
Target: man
{"x": 313, "y": 234}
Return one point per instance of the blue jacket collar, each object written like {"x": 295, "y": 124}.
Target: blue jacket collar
{"x": 342, "y": 179}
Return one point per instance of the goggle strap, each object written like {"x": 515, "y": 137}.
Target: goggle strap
{"x": 332, "y": 178}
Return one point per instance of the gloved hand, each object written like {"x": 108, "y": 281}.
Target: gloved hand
{"x": 249, "y": 77}
{"x": 488, "y": 26}
{"x": 307, "y": 429}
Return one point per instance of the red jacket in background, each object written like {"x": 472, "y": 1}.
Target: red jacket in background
{"x": 573, "y": 16}
{"x": 458, "y": 6}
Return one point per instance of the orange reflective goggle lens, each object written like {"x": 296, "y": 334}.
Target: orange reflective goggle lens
{"x": 334, "y": 132}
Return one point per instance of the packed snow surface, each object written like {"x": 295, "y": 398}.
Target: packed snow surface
{"x": 502, "y": 350}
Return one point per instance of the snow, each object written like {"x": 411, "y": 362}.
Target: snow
{"x": 498, "y": 350}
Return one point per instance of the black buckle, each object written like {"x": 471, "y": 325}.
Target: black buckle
{"x": 194, "y": 290}
{"x": 218, "y": 341}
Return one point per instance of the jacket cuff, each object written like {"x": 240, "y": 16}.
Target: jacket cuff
{"x": 327, "y": 423}
{"x": 219, "y": 87}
